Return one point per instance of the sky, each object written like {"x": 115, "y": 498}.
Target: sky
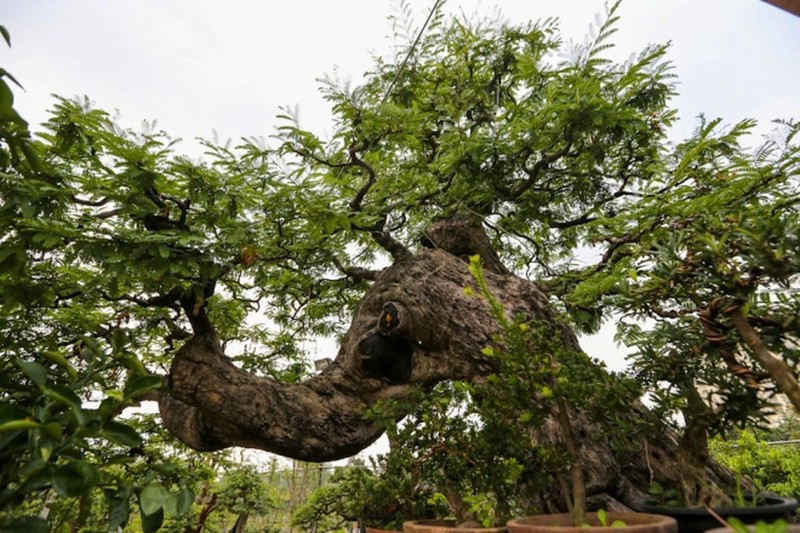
{"x": 205, "y": 66}
{"x": 199, "y": 66}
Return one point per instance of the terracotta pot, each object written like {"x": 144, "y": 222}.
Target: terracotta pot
{"x": 445, "y": 526}
{"x": 562, "y": 523}
{"x": 771, "y": 507}
{"x": 374, "y": 530}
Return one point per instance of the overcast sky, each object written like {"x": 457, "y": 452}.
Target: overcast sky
{"x": 199, "y": 65}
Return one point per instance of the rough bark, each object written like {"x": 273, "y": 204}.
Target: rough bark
{"x": 213, "y": 404}
{"x": 418, "y": 307}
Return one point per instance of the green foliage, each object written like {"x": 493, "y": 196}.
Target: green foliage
{"x": 243, "y": 491}
{"x": 381, "y": 495}
{"x": 541, "y": 375}
{"x": 110, "y": 240}
{"x": 446, "y": 445}
{"x": 478, "y": 445}
{"x": 779, "y": 526}
{"x": 773, "y": 468}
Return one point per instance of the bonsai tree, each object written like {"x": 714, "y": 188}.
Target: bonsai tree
{"x": 379, "y": 496}
{"x": 447, "y": 448}
{"x": 508, "y": 445}
{"x": 716, "y": 280}
{"x": 541, "y": 390}
{"x": 129, "y": 273}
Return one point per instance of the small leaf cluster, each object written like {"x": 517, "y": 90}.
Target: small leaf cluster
{"x": 446, "y": 447}
{"x": 772, "y": 467}
{"x": 380, "y": 495}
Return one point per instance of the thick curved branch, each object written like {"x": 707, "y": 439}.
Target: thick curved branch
{"x": 435, "y": 329}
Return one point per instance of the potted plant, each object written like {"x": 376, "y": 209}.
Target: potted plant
{"x": 377, "y": 496}
{"x": 709, "y": 304}
{"x": 448, "y": 454}
{"x": 541, "y": 381}
{"x": 599, "y": 522}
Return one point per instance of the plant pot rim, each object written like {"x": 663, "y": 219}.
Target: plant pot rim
{"x": 790, "y": 528}
{"x": 559, "y": 523}
{"x": 773, "y": 502}
{"x": 445, "y": 526}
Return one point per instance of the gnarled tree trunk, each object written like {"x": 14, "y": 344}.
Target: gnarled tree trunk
{"x": 416, "y": 314}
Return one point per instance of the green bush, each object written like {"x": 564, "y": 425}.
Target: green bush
{"x": 774, "y": 468}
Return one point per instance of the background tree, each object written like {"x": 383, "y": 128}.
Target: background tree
{"x": 767, "y": 456}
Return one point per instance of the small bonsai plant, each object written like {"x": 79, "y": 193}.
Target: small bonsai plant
{"x": 447, "y": 448}
{"x": 378, "y": 496}
{"x": 544, "y": 382}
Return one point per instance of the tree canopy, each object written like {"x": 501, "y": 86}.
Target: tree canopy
{"x": 128, "y": 271}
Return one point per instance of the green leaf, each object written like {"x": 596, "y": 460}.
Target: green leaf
{"x": 36, "y": 372}
{"x": 74, "y": 479}
{"x": 26, "y": 524}
{"x": 115, "y": 395}
{"x": 152, "y": 498}
{"x": 6, "y": 35}
{"x": 10, "y": 412}
{"x": 141, "y": 385}
{"x": 7, "y": 74}
{"x": 55, "y": 430}
{"x": 119, "y": 338}
{"x": 122, "y": 434}
{"x": 6, "y": 97}
{"x": 45, "y": 449}
{"x": 163, "y": 251}
{"x": 91, "y": 349}
{"x": 119, "y": 508}
{"x": 63, "y": 394}
{"x": 180, "y": 502}
{"x": 32, "y": 155}
{"x": 16, "y": 425}
{"x": 165, "y": 468}
{"x": 59, "y": 359}
{"x": 152, "y": 522}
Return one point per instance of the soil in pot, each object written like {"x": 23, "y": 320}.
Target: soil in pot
{"x": 770, "y": 507}
{"x": 562, "y": 523}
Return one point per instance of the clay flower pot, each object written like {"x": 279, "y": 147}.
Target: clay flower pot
{"x": 445, "y": 526}
{"x": 562, "y": 523}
